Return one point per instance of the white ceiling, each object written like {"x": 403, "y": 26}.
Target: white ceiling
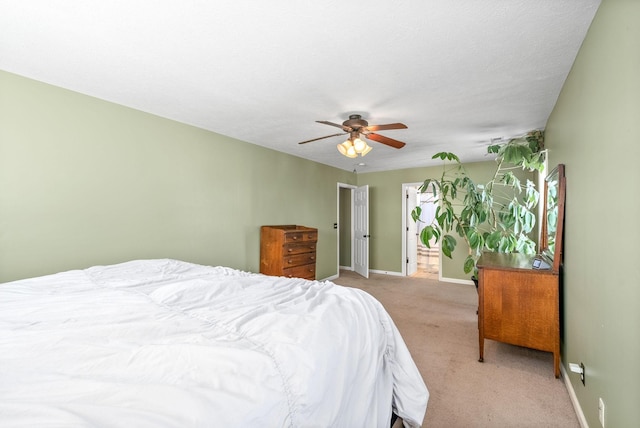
{"x": 457, "y": 72}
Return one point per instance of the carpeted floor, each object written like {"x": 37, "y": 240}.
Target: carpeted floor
{"x": 514, "y": 387}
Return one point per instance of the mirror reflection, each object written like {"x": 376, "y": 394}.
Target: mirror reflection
{"x": 552, "y": 213}
{"x": 551, "y": 239}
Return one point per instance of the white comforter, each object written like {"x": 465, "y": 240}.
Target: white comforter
{"x": 163, "y": 343}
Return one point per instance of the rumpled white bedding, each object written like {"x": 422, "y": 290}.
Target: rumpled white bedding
{"x": 164, "y": 343}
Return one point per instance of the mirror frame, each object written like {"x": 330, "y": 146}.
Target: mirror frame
{"x": 555, "y": 174}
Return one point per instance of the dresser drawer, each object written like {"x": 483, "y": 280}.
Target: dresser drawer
{"x": 301, "y": 236}
{"x": 305, "y": 271}
{"x": 298, "y": 259}
{"x": 290, "y": 249}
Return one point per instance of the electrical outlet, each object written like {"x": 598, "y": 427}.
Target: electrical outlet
{"x": 601, "y": 411}
{"x": 575, "y": 368}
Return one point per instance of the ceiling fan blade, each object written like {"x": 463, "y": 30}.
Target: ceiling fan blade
{"x": 321, "y": 138}
{"x": 344, "y": 128}
{"x": 385, "y": 140}
{"x": 385, "y": 127}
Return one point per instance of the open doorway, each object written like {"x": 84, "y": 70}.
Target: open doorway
{"x": 419, "y": 260}
{"x": 344, "y": 227}
{"x": 353, "y": 228}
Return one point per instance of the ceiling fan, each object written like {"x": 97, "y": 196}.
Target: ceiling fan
{"x": 355, "y": 126}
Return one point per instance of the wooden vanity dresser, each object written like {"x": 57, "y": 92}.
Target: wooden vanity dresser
{"x": 518, "y": 304}
{"x": 288, "y": 250}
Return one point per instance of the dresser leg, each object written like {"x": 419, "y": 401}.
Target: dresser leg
{"x": 481, "y": 343}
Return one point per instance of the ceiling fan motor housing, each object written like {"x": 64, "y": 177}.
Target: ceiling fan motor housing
{"x": 355, "y": 122}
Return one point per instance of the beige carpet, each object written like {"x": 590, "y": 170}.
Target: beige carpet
{"x": 514, "y": 387}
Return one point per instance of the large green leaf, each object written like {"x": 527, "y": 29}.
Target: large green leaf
{"x": 446, "y": 156}
{"x": 516, "y": 153}
{"x": 493, "y": 239}
{"x": 475, "y": 238}
{"x": 415, "y": 213}
{"x": 509, "y": 179}
{"x": 448, "y": 245}
{"x": 529, "y": 221}
{"x": 495, "y": 148}
{"x": 532, "y": 195}
{"x": 469, "y": 264}
{"x": 430, "y": 185}
{"x": 426, "y": 235}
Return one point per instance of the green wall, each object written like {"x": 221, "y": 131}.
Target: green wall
{"x": 84, "y": 182}
{"x": 594, "y": 131}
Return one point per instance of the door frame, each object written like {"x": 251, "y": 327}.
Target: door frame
{"x": 410, "y": 255}
{"x": 405, "y": 215}
{"x": 352, "y": 238}
{"x": 338, "y": 228}
{"x": 361, "y": 231}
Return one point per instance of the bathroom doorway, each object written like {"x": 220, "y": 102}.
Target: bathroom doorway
{"x": 419, "y": 260}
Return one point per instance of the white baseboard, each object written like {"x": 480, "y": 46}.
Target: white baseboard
{"x": 386, "y": 272}
{"x": 456, "y": 280}
{"x": 574, "y": 399}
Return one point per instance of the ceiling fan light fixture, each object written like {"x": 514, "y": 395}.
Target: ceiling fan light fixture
{"x": 359, "y": 145}
{"x": 347, "y": 149}
{"x": 354, "y": 147}
{"x": 366, "y": 150}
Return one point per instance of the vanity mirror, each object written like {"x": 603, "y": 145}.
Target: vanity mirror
{"x": 553, "y": 218}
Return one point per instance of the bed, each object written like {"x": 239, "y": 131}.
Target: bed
{"x": 166, "y": 343}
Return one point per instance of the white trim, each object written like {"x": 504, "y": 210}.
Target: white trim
{"x": 386, "y": 272}
{"x": 360, "y": 236}
{"x": 351, "y": 187}
{"x": 405, "y": 188}
{"x": 456, "y": 281}
{"x": 574, "y": 399}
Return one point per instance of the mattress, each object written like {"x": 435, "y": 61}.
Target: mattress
{"x": 166, "y": 343}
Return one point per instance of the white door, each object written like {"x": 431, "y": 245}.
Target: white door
{"x": 361, "y": 230}
{"x": 411, "y": 201}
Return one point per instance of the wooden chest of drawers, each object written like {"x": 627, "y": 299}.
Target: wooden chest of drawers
{"x": 288, "y": 250}
{"x": 518, "y": 304}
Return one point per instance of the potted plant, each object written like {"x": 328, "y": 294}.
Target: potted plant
{"x": 497, "y": 215}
